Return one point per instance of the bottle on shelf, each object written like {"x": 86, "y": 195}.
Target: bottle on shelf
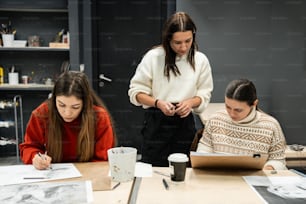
{"x": 1, "y": 75}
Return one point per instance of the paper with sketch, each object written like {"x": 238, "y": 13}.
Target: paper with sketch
{"x": 283, "y": 189}
{"x": 290, "y": 187}
{"x": 47, "y": 193}
{"x": 16, "y": 174}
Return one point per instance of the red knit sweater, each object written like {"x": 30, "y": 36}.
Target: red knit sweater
{"x": 35, "y": 136}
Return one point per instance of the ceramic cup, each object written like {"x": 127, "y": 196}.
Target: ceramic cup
{"x": 33, "y": 41}
{"x": 13, "y": 78}
{"x": 8, "y": 40}
{"x": 122, "y": 161}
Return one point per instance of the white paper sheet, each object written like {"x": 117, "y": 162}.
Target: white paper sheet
{"x": 17, "y": 174}
{"x": 141, "y": 170}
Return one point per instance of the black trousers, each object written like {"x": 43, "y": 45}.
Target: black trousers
{"x": 163, "y": 135}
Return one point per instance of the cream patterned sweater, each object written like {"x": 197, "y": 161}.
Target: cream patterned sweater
{"x": 258, "y": 133}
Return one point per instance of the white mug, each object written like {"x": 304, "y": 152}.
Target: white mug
{"x": 8, "y": 40}
{"x": 13, "y": 78}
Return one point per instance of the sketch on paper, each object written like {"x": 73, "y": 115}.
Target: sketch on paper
{"x": 48, "y": 193}
{"x": 279, "y": 189}
{"x": 17, "y": 174}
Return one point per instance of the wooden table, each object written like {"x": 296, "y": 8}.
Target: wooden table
{"x": 200, "y": 186}
{"x": 98, "y": 173}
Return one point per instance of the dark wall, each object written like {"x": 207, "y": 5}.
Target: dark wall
{"x": 260, "y": 40}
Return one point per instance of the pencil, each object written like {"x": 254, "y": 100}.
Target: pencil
{"x": 35, "y": 178}
{"x": 165, "y": 184}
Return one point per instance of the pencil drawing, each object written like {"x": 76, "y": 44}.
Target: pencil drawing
{"x": 49, "y": 193}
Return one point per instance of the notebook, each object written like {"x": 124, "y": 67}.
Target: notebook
{"x": 227, "y": 161}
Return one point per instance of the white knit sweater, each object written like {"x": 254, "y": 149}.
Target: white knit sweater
{"x": 149, "y": 78}
{"x": 258, "y": 133}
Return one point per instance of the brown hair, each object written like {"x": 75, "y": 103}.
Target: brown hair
{"x": 241, "y": 90}
{"x": 72, "y": 83}
{"x": 178, "y": 22}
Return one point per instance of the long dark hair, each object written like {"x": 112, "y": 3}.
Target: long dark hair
{"x": 178, "y": 22}
{"x": 73, "y": 83}
{"x": 241, "y": 90}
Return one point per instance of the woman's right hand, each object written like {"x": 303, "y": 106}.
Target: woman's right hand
{"x": 166, "y": 107}
{"x": 41, "y": 161}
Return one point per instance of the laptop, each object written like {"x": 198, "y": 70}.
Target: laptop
{"x": 227, "y": 161}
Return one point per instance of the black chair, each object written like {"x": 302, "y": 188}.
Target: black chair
{"x": 196, "y": 139}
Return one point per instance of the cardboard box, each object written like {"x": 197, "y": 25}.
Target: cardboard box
{"x": 58, "y": 45}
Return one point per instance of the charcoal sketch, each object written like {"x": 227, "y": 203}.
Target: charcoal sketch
{"x": 48, "y": 193}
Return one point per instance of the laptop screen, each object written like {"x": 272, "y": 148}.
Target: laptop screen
{"x": 228, "y": 161}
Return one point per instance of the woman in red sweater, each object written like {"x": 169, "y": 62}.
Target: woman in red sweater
{"x": 71, "y": 126}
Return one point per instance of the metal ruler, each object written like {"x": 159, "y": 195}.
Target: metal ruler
{"x": 134, "y": 190}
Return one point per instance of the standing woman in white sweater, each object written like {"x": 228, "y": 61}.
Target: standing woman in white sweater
{"x": 172, "y": 80}
{"x": 242, "y": 129}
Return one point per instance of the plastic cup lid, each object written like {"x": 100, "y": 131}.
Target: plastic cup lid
{"x": 178, "y": 157}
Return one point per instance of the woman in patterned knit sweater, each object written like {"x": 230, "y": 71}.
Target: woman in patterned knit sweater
{"x": 243, "y": 129}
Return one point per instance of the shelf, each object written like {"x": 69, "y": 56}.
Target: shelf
{"x": 35, "y": 10}
{"x": 34, "y": 49}
{"x": 29, "y": 87}
{"x": 6, "y": 141}
{"x": 7, "y": 104}
{"x": 6, "y": 124}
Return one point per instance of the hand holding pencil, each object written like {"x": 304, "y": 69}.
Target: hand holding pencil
{"x": 41, "y": 161}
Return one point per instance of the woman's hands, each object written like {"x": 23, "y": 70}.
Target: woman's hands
{"x": 41, "y": 161}
{"x": 182, "y": 109}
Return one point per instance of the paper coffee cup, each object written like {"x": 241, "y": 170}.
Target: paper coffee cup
{"x": 25, "y": 79}
{"x": 177, "y": 165}
{"x": 122, "y": 162}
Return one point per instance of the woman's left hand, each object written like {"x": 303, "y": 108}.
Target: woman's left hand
{"x": 268, "y": 167}
{"x": 183, "y": 108}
